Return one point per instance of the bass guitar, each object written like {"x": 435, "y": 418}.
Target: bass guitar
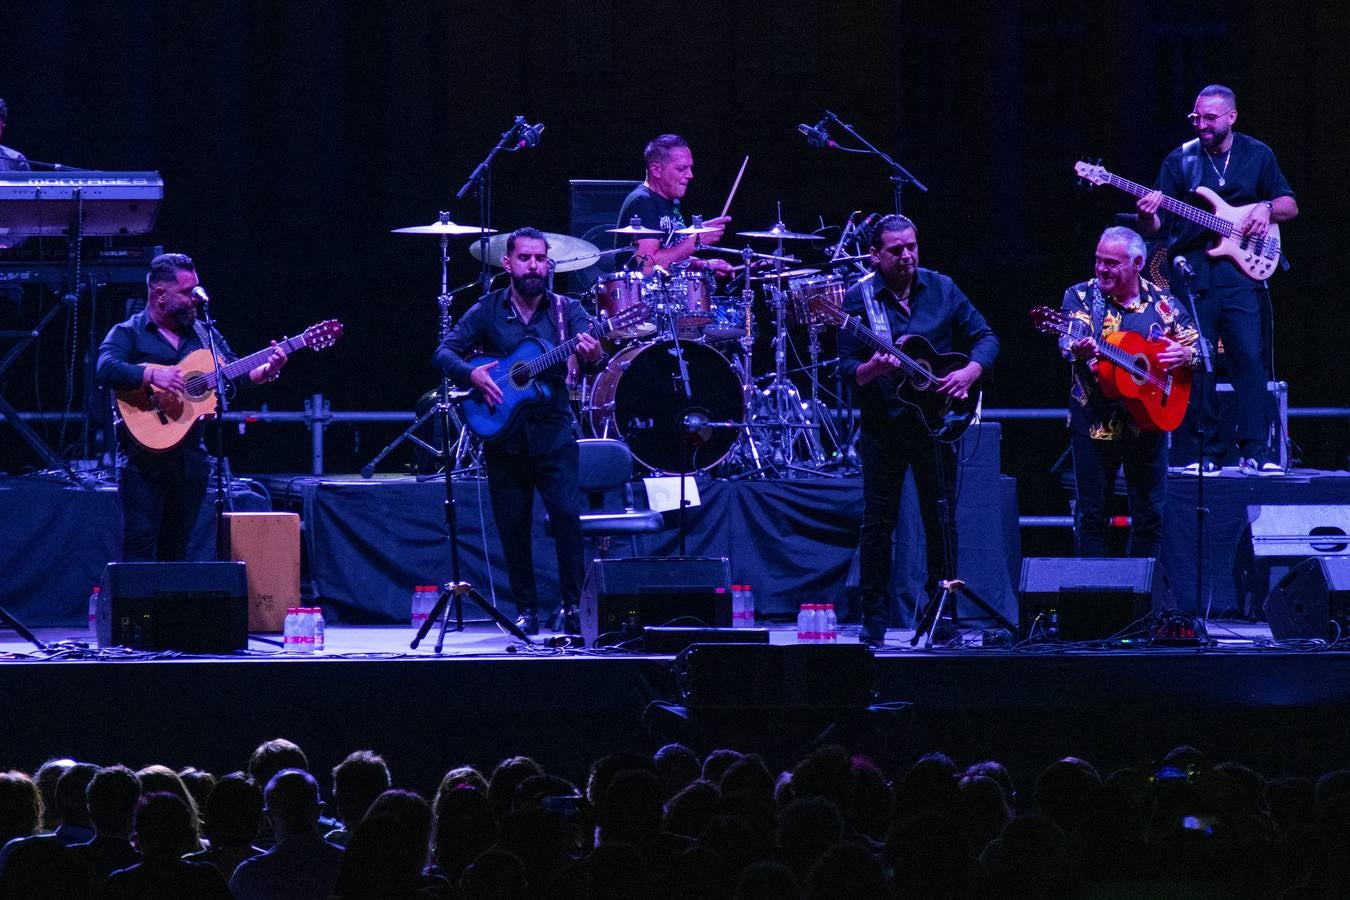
{"x": 159, "y": 419}
{"x": 1256, "y": 256}
{"x": 915, "y": 382}
{"x": 1128, "y": 370}
{"x": 517, "y": 375}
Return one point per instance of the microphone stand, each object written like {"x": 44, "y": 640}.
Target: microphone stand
{"x": 1201, "y": 511}
{"x": 482, "y": 179}
{"x": 222, "y": 407}
{"x": 900, "y": 176}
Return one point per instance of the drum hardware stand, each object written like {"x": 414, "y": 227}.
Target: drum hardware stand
{"x": 747, "y": 439}
{"x": 786, "y": 416}
{"x": 467, "y": 456}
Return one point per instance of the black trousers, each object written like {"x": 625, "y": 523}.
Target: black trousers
{"x": 1095, "y": 464}
{"x": 512, "y": 480}
{"x": 159, "y": 511}
{"x": 1238, "y": 316}
{"x": 887, "y": 453}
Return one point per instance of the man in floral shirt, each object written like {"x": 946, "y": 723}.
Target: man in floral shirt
{"x": 1103, "y": 435}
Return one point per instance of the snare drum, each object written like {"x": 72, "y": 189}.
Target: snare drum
{"x": 618, "y": 291}
{"x": 820, "y": 290}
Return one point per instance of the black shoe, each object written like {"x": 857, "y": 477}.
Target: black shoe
{"x": 528, "y": 621}
{"x": 874, "y": 638}
{"x": 571, "y": 620}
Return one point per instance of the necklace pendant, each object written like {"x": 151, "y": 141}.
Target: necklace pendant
{"x": 1221, "y": 181}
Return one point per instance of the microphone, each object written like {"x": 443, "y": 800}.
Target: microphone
{"x": 816, "y": 135}
{"x": 199, "y": 294}
{"x": 1182, "y": 266}
{"x": 529, "y": 134}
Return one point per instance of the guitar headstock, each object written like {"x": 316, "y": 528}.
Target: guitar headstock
{"x": 628, "y": 316}
{"x": 323, "y": 335}
{"x": 1050, "y": 320}
{"x": 1091, "y": 172}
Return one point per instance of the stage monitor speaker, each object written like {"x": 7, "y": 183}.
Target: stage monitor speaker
{"x": 622, "y": 596}
{"x": 1277, "y": 539}
{"x": 675, "y": 640}
{"x": 776, "y": 676}
{"x": 594, "y": 209}
{"x": 1088, "y": 599}
{"x": 1312, "y": 600}
{"x": 193, "y": 607}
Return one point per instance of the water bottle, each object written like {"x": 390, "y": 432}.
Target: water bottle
{"x": 748, "y": 605}
{"x": 831, "y": 624}
{"x": 421, "y": 604}
{"x": 735, "y": 604}
{"x": 290, "y": 631}
{"x": 804, "y": 624}
{"x": 318, "y": 628}
{"x": 93, "y": 611}
{"x": 304, "y": 627}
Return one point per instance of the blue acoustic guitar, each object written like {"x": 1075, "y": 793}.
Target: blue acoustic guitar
{"x": 517, "y": 375}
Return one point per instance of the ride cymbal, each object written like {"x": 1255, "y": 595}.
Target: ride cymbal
{"x": 443, "y": 228}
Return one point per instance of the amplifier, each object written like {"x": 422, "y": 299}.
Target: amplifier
{"x": 622, "y": 596}
{"x": 199, "y": 607}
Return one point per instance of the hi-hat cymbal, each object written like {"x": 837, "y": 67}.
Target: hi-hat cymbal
{"x": 700, "y": 229}
{"x": 779, "y": 232}
{"x": 569, "y": 253}
{"x": 788, "y": 273}
{"x": 443, "y": 228}
{"x": 636, "y": 231}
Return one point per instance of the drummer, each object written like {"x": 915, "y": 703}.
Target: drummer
{"x": 656, "y": 204}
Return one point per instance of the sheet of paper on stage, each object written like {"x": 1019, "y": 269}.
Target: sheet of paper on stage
{"x": 663, "y": 492}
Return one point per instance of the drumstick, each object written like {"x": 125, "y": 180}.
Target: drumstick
{"x": 734, "y": 186}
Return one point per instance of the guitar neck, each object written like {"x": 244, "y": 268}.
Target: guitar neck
{"x": 1174, "y": 206}
{"x": 1105, "y": 349}
{"x": 245, "y": 364}
{"x": 559, "y": 353}
{"x": 854, "y": 326}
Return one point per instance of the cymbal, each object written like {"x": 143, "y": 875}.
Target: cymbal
{"x": 446, "y": 228}
{"x": 780, "y": 233}
{"x": 636, "y": 231}
{"x": 568, "y": 253}
{"x": 702, "y": 229}
{"x": 788, "y": 273}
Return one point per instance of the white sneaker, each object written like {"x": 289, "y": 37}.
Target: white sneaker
{"x": 1193, "y": 469}
{"x": 1263, "y": 467}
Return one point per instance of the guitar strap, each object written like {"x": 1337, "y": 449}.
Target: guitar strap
{"x": 1098, "y": 308}
{"x": 1190, "y": 164}
{"x": 875, "y": 314}
{"x": 559, "y": 314}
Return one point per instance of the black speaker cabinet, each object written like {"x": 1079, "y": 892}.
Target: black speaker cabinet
{"x": 194, "y": 607}
{"x": 621, "y": 596}
{"x": 1278, "y": 538}
{"x": 1087, "y": 599}
{"x": 1312, "y": 600}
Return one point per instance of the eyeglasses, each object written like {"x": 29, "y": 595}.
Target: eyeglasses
{"x": 1206, "y": 118}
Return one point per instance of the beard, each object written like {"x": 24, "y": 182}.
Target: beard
{"x": 528, "y": 286}
{"x": 185, "y": 317}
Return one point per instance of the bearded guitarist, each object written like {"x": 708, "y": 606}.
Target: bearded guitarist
{"x": 161, "y": 492}
{"x": 540, "y": 451}
{"x": 1232, "y": 306}
{"x": 1103, "y": 435}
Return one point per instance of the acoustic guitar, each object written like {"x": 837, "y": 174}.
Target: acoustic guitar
{"x": 159, "y": 419}
{"x": 1128, "y": 370}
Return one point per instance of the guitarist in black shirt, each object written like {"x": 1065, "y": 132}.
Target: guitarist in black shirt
{"x": 540, "y": 451}
{"x": 898, "y": 299}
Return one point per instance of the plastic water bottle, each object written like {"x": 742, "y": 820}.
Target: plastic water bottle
{"x": 805, "y": 621}
{"x": 317, "y": 611}
{"x": 422, "y": 599}
{"x": 93, "y": 611}
{"x": 304, "y": 627}
{"x": 831, "y": 624}
{"x": 748, "y": 606}
{"x": 290, "y": 631}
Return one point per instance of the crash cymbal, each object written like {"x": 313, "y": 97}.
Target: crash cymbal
{"x": 788, "y": 273}
{"x": 636, "y": 231}
{"x": 780, "y": 233}
{"x": 568, "y": 253}
{"x": 443, "y": 228}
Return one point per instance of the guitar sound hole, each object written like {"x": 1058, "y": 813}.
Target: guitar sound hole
{"x": 519, "y": 376}
{"x": 922, "y": 379}
{"x": 195, "y": 385}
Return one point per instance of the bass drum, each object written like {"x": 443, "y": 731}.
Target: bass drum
{"x": 641, "y": 398}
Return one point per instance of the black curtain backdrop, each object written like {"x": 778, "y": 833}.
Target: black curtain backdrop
{"x": 293, "y": 136}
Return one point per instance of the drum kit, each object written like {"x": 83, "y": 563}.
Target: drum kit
{"x": 679, "y": 386}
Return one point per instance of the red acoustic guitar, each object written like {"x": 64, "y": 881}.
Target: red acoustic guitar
{"x": 1128, "y": 370}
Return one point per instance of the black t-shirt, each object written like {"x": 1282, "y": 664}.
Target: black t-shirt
{"x": 1250, "y": 173}
{"x": 653, "y": 211}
